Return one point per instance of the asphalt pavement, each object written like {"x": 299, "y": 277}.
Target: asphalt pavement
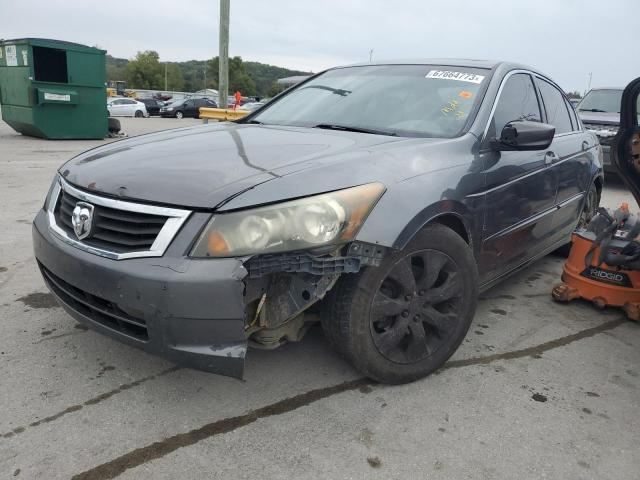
{"x": 537, "y": 390}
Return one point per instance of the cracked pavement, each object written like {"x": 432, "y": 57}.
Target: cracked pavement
{"x": 537, "y": 389}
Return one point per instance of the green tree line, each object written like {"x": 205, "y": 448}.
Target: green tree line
{"x": 146, "y": 71}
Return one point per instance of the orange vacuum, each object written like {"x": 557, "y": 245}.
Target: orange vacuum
{"x": 604, "y": 263}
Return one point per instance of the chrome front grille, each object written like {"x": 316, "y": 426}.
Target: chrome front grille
{"x": 120, "y": 229}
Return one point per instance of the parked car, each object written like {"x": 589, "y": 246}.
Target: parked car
{"x": 189, "y": 107}
{"x": 153, "y": 106}
{"x": 251, "y": 106}
{"x": 382, "y": 207}
{"x": 599, "y": 111}
{"x": 126, "y": 107}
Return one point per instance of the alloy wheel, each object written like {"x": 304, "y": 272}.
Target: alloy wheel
{"x": 417, "y": 306}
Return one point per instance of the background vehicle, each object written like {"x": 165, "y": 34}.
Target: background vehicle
{"x": 599, "y": 111}
{"x": 186, "y": 108}
{"x": 153, "y": 106}
{"x": 251, "y": 106}
{"x": 390, "y": 223}
{"x": 126, "y": 107}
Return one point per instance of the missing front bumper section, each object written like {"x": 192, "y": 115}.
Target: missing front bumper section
{"x": 283, "y": 291}
{"x": 349, "y": 260}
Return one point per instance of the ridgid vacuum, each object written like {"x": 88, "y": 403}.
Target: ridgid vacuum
{"x": 604, "y": 263}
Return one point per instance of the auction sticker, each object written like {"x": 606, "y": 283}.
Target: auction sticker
{"x": 12, "y": 56}
{"x": 460, "y": 76}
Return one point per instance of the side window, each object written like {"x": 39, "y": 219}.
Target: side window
{"x": 188, "y": 104}
{"x": 556, "y": 108}
{"x": 572, "y": 114}
{"x": 518, "y": 101}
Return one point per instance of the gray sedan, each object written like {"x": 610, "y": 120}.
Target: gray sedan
{"x": 378, "y": 199}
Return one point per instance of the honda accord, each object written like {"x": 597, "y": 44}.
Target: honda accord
{"x": 376, "y": 199}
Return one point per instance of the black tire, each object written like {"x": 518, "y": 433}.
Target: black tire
{"x": 139, "y": 114}
{"x": 179, "y": 115}
{"x": 114, "y": 125}
{"x": 591, "y": 204}
{"x": 391, "y": 335}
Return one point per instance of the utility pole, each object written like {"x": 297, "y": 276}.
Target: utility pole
{"x": 165, "y": 77}
{"x": 589, "y": 85}
{"x": 205, "y": 77}
{"x": 370, "y": 55}
{"x": 223, "y": 56}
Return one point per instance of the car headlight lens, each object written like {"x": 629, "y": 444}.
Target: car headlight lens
{"x": 169, "y": 108}
{"x": 328, "y": 219}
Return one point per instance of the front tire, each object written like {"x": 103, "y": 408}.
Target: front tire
{"x": 403, "y": 320}
{"x": 179, "y": 115}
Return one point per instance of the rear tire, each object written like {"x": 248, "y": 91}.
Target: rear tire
{"x": 592, "y": 202}
{"x": 403, "y": 320}
{"x": 139, "y": 114}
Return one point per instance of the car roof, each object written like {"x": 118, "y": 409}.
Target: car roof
{"x": 453, "y": 62}
{"x": 607, "y": 88}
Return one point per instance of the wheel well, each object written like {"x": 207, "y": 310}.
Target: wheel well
{"x": 454, "y": 223}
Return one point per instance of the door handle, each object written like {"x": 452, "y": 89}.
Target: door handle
{"x": 585, "y": 145}
{"x": 550, "y": 157}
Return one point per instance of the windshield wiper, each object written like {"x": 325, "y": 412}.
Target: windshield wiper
{"x": 347, "y": 128}
{"x": 255, "y": 122}
{"x": 595, "y": 110}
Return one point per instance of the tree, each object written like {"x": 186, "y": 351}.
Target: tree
{"x": 238, "y": 77}
{"x": 175, "y": 80}
{"x": 145, "y": 71}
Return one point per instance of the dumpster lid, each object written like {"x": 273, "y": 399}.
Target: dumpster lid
{"x": 53, "y": 43}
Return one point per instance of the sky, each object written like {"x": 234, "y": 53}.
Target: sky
{"x": 566, "y": 39}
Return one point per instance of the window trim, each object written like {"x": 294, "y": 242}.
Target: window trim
{"x": 566, "y": 100}
{"x": 503, "y": 82}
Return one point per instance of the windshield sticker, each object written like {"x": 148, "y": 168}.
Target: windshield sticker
{"x": 465, "y": 94}
{"x": 453, "y": 108}
{"x": 460, "y": 76}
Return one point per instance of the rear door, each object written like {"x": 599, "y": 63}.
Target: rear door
{"x": 572, "y": 152}
{"x": 189, "y": 108}
{"x": 521, "y": 186}
{"x": 626, "y": 155}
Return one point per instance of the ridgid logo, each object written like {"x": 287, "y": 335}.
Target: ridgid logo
{"x": 616, "y": 278}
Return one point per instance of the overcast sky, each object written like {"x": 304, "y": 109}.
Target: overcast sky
{"x": 566, "y": 39}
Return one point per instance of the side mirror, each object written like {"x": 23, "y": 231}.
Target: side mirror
{"x": 524, "y": 135}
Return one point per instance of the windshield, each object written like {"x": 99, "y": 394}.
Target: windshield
{"x": 403, "y": 100}
{"x": 601, "y": 101}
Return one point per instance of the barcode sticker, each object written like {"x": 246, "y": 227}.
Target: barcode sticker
{"x": 460, "y": 76}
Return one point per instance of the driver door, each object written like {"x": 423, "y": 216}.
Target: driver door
{"x": 626, "y": 156}
{"x": 521, "y": 186}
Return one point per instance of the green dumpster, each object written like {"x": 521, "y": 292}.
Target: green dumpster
{"x": 53, "y": 89}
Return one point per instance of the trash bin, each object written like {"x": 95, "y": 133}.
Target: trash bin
{"x": 53, "y": 89}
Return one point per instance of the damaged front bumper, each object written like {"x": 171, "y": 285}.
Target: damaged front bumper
{"x": 189, "y": 311}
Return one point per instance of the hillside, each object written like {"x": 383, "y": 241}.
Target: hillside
{"x": 252, "y": 78}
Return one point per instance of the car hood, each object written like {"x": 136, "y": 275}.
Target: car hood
{"x": 600, "y": 118}
{"x": 201, "y": 167}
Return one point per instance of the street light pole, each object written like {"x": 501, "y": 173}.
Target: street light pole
{"x": 223, "y": 56}
{"x": 165, "y": 77}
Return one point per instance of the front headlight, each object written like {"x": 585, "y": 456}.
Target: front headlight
{"x": 328, "y": 219}
{"x": 169, "y": 109}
